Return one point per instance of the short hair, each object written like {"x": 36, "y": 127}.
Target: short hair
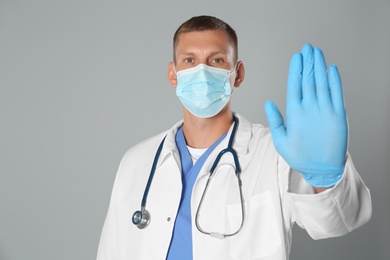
{"x": 206, "y": 23}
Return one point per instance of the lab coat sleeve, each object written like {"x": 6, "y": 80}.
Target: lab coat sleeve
{"x": 331, "y": 213}
{"x": 107, "y": 245}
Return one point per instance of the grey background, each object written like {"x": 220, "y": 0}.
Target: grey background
{"x": 82, "y": 81}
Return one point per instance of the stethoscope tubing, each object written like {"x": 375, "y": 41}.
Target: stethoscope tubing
{"x": 229, "y": 149}
{"x": 142, "y": 218}
{"x": 237, "y": 170}
{"x": 151, "y": 175}
{"x": 214, "y": 233}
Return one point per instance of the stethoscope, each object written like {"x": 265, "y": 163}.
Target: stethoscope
{"x": 141, "y": 218}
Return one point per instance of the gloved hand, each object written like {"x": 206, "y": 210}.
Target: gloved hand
{"x": 314, "y": 138}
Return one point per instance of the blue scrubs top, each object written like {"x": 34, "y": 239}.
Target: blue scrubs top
{"x": 181, "y": 243}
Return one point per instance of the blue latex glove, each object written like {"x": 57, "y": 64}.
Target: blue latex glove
{"x": 314, "y": 138}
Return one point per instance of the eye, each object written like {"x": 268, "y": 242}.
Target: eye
{"x": 189, "y": 60}
{"x": 218, "y": 61}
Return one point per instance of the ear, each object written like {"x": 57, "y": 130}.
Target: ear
{"x": 172, "y": 74}
{"x": 240, "y": 74}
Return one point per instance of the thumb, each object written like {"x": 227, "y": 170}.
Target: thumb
{"x": 275, "y": 121}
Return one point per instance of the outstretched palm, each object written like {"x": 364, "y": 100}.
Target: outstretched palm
{"x": 314, "y": 138}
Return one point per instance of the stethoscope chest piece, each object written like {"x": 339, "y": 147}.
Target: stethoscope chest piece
{"x": 141, "y": 218}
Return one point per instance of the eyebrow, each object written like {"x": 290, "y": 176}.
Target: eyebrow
{"x": 189, "y": 53}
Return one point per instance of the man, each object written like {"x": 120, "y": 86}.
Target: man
{"x": 301, "y": 174}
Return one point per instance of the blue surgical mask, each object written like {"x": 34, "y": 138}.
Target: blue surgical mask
{"x": 204, "y": 90}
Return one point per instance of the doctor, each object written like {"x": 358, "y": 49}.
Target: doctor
{"x": 297, "y": 171}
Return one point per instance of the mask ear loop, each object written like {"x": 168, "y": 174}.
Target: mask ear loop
{"x": 234, "y": 68}
{"x": 230, "y": 72}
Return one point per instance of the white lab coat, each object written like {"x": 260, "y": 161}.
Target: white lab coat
{"x": 275, "y": 199}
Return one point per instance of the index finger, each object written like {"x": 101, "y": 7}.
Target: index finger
{"x": 294, "y": 85}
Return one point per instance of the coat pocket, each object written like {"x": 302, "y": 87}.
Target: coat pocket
{"x": 260, "y": 236}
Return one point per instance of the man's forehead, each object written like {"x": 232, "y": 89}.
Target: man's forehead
{"x": 205, "y": 37}
{"x": 210, "y": 41}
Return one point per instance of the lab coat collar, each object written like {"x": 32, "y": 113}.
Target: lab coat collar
{"x": 170, "y": 147}
{"x": 243, "y": 135}
{"x": 241, "y": 141}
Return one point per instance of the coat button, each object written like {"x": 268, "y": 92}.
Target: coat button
{"x": 168, "y": 219}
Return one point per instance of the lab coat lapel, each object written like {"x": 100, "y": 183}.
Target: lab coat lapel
{"x": 170, "y": 146}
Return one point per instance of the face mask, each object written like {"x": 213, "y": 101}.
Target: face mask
{"x": 204, "y": 90}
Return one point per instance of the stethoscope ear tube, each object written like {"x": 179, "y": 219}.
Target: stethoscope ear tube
{"x": 213, "y": 170}
{"x": 213, "y": 233}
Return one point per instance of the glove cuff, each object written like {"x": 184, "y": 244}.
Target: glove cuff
{"x": 323, "y": 177}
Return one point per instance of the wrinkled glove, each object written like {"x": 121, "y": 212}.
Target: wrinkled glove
{"x": 314, "y": 138}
